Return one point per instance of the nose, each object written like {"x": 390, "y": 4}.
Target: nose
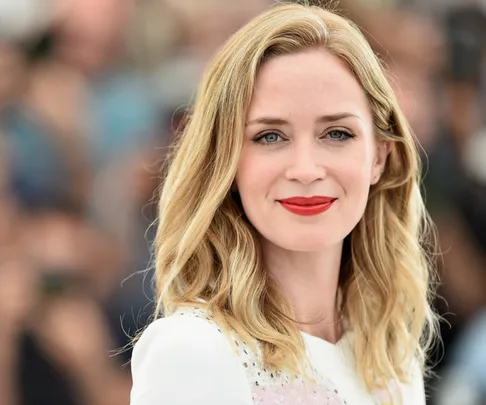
{"x": 304, "y": 164}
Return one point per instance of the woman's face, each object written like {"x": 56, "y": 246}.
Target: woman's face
{"x": 309, "y": 133}
{"x": 92, "y": 32}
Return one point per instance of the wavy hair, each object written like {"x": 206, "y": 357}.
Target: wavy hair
{"x": 207, "y": 249}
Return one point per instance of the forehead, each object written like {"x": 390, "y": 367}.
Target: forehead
{"x": 314, "y": 81}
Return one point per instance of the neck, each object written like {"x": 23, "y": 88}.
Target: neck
{"x": 310, "y": 281}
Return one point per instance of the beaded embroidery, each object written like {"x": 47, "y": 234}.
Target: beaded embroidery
{"x": 273, "y": 387}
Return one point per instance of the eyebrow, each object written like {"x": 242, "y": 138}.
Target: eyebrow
{"x": 321, "y": 119}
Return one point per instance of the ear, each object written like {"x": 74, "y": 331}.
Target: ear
{"x": 383, "y": 148}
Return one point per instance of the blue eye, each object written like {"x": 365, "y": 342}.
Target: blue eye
{"x": 269, "y": 137}
{"x": 339, "y": 135}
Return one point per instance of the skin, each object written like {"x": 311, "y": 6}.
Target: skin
{"x": 303, "y": 154}
{"x": 91, "y": 32}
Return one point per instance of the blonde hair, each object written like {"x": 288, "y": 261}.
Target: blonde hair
{"x": 206, "y": 249}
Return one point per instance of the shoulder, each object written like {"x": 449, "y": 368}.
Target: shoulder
{"x": 417, "y": 384}
{"x": 184, "y": 359}
{"x": 179, "y": 333}
{"x": 413, "y": 390}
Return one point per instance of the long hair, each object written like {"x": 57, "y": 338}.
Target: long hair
{"x": 207, "y": 252}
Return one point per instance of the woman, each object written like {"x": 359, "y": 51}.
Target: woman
{"x": 291, "y": 266}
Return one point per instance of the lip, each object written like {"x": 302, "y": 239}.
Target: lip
{"x": 307, "y": 206}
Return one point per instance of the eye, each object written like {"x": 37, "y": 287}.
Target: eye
{"x": 339, "y": 135}
{"x": 267, "y": 138}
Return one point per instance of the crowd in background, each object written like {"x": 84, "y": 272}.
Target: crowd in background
{"x": 91, "y": 92}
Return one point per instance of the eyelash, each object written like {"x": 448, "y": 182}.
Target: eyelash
{"x": 347, "y": 135}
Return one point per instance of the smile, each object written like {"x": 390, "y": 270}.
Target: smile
{"x": 307, "y": 206}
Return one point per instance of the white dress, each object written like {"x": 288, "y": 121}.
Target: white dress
{"x": 186, "y": 359}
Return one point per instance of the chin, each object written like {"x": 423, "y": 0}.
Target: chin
{"x": 306, "y": 243}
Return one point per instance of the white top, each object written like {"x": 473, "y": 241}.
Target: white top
{"x": 186, "y": 359}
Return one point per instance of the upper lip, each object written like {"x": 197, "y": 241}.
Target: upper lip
{"x": 315, "y": 200}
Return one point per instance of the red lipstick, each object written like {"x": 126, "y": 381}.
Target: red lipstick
{"x": 307, "y": 206}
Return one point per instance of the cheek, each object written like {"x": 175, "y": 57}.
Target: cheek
{"x": 355, "y": 179}
{"x": 358, "y": 156}
{"x": 254, "y": 176}
{"x": 355, "y": 176}
{"x": 360, "y": 164}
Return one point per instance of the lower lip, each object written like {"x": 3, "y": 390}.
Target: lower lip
{"x": 307, "y": 210}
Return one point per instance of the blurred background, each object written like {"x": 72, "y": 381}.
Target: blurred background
{"x": 90, "y": 94}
